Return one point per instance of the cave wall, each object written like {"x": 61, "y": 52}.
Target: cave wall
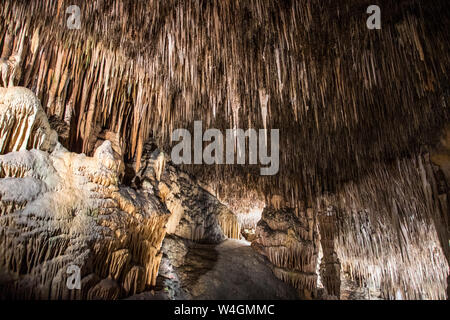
{"x": 61, "y": 209}
{"x": 196, "y": 214}
{"x": 288, "y": 237}
{"x": 388, "y": 232}
{"x": 391, "y": 229}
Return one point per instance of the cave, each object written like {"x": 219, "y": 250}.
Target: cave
{"x": 224, "y": 150}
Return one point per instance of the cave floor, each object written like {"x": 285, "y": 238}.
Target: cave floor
{"x": 231, "y": 270}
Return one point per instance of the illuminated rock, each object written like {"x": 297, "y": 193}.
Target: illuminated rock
{"x": 290, "y": 242}
{"x": 196, "y": 214}
{"x": 23, "y": 123}
{"x": 63, "y": 209}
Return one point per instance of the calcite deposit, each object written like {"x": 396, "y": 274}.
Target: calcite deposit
{"x": 87, "y": 113}
{"x": 289, "y": 239}
{"x": 390, "y": 237}
{"x": 61, "y": 209}
{"x": 196, "y": 214}
{"x": 330, "y": 266}
{"x": 23, "y": 123}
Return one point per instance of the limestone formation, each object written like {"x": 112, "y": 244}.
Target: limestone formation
{"x": 388, "y": 237}
{"x": 290, "y": 242}
{"x": 285, "y": 69}
{"x": 330, "y": 266}
{"x": 62, "y": 209}
{"x": 364, "y": 170}
{"x": 24, "y": 124}
{"x": 196, "y": 214}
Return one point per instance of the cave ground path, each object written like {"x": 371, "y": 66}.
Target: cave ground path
{"x": 231, "y": 270}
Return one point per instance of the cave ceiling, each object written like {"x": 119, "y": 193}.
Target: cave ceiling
{"x": 344, "y": 97}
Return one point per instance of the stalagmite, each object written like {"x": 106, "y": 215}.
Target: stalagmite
{"x": 62, "y": 209}
{"x": 290, "y": 242}
{"x": 330, "y": 267}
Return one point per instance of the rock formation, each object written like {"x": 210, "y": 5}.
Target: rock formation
{"x": 289, "y": 239}
{"x": 385, "y": 235}
{"x": 60, "y": 209}
{"x": 24, "y": 124}
{"x": 195, "y": 213}
{"x": 363, "y": 115}
{"x": 330, "y": 266}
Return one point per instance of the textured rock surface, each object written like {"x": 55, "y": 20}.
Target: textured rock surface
{"x": 62, "y": 209}
{"x": 196, "y": 214}
{"x": 289, "y": 239}
{"x": 391, "y": 237}
{"x": 23, "y": 123}
{"x": 348, "y": 120}
{"x": 330, "y": 266}
{"x": 288, "y": 67}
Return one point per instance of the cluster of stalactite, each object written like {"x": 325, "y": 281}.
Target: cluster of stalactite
{"x": 346, "y": 100}
{"x": 289, "y": 239}
{"x": 311, "y": 69}
{"x": 391, "y": 229}
{"x": 62, "y": 210}
{"x": 229, "y": 224}
{"x": 23, "y": 123}
{"x": 196, "y": 214}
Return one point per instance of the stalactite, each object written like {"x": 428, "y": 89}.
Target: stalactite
{"x": 60, "y": 209}
{"x": 152, "y": 76}
{"x": 229, "y": 224}
{"x": 386, "y": 235}
{"x": 290, "y": 242}
{"x": 346, "y": 100}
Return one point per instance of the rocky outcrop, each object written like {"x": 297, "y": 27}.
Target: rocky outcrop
{"x": 63, "y": 212}
{"x": 330, "y": 266}
{"x": 288, "y": 238}
{"x": 23, "y": 123}
{"x": 196, "y": 214}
